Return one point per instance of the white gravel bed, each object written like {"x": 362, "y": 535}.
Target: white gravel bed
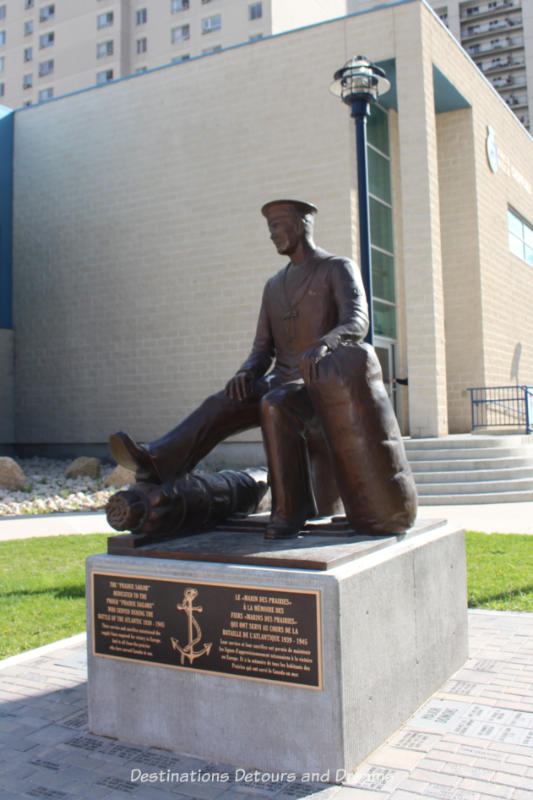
{"x": 49, "y": 491}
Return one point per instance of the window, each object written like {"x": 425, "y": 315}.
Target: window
{"x": 206, "y": 1}
{"x": 255, "y": 11}
{"x": 28, "y": 4}
{"x": 104, "y": 77}
{"x": 2, "y": 89}
{"x": 104, "y": 49}
{"x": 27, "y": 81}
{"x": 520, "y": 237}
{"x": 208, "y": 50}
{"x": 46, "y": 67}
{"x": 28, "y": 54}
{"x": 46, "y": 40}
{"x": 180, "y": 34}
{"x": 184, "y": 57}
{"x": 141, "y": 45}
{"x": 213, "y": 23}
{"x": 45, "y": 94}
{"x": 47, "y": 13}
{"x": 104, "y": 20}
{"x": 2, "y": 37}
{"x": 28, "y": 27}
{"x": 382, "y": 239}
{"x": 179, "y": 5}
{"x": 2, "y": 12}
{"x": 255, "y": 37}
{"x": 2, "y": 63}
{"x": 141, "y": 69}
{"x": 141, "y": 16}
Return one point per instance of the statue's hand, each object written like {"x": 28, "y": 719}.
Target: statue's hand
{"x": 310, "y": 360}
{"x": 238, "y": 387}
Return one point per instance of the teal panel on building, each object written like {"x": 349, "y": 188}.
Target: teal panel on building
{"x": 6, "y": 215}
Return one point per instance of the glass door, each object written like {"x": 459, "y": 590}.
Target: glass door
{"x": 385, "y": 352}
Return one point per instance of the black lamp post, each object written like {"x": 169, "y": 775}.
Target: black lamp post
{"x": 358, "y": 84}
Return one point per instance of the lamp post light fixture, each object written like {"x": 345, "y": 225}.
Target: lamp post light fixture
{"x": 359, "y": 83}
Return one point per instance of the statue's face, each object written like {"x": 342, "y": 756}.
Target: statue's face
{"x": 286, "y": 229}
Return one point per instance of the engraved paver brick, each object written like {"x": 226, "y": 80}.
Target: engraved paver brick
{"x": 500, "y": 765}
{"x": 377, "y": 778}
{"x": 349, "y": 793}
{"x": 413, "y": 740}
{"x": 519, "y": 781}
{"x": 495, "y": 790}
{"x": 448, "y": 792}
{"x": 296, "y": 790}
{"x": 397, "y": 758}
{"x": 439, "y": 778}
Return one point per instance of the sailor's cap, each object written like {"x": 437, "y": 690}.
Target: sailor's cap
{"x": 301, "y": 206}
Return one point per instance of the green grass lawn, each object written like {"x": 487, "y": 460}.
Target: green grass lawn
{"x": 42, "y": 583}
{"x": 42, "y": 589}
{"x": 500, "y": 571}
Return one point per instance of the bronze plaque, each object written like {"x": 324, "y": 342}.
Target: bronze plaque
{"x": 242, "y": 631}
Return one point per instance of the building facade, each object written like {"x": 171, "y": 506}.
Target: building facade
{"x": 498, "y": 36}
{"x": 51, "y": 49}
{"x": 139, "y": 250}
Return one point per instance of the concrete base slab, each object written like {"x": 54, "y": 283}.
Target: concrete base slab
{"x": 377, "y": 636}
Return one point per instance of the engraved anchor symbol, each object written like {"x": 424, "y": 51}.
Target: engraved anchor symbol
{"x": 195, "y": 633}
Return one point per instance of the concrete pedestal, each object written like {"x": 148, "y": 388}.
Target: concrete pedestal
{"x": 392, "y": 627}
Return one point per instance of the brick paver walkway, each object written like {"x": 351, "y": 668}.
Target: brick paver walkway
{"x": 473, "y": 740}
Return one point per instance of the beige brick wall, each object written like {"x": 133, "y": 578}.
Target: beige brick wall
{"x": 402, "y": 392}
{"x": 140, "y": 251}
{"x": 460, "y": 256}
{"x": 7, "y": 388}
{"x": 506, "y": 280}
{"x": 426, "y": 359}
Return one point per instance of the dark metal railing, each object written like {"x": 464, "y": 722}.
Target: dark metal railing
{"x": 502, "y": 406}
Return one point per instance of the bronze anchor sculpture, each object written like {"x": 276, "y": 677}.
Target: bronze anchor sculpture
{"x": 188, "y": 651}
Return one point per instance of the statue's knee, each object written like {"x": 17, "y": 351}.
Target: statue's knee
{"x": 364, "y": 361}
{"x": 271, "y": 404}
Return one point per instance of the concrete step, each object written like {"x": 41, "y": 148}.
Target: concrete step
{"x": 475, "y": 497}
{"x": 472, "y": 469}
{"x": 477, "y": 487}
{"x": 468, "y": 441}
{"x": 445, "y": 465}
{"x": 471, "y": 476}
{"x": 456, "y": 454}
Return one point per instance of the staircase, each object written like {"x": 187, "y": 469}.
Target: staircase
{"x": 466, "y": 468}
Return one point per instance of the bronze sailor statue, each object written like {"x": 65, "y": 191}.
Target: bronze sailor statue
{"x": 315, "y": 389}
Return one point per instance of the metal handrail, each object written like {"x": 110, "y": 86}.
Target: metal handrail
{"x": 502, "y": 406}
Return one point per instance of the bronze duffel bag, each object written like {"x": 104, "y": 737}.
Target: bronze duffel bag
{"x": 371, "y": 468}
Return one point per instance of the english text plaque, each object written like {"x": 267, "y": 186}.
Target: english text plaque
{"x": 242, "y": 631}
